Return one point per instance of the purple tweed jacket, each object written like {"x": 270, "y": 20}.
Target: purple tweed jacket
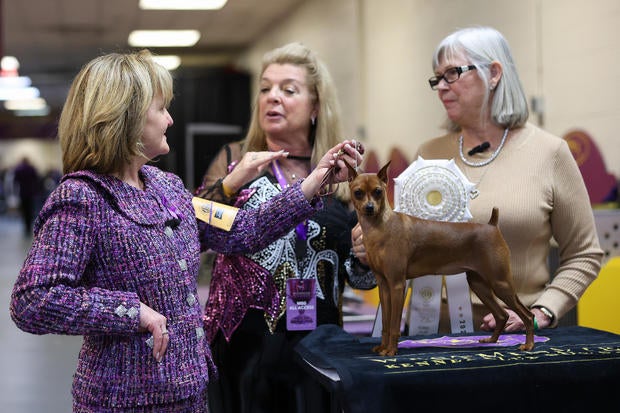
{"x": 100, "y": 248}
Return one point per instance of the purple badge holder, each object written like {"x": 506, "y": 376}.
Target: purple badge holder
{"x": 300, "y": 304}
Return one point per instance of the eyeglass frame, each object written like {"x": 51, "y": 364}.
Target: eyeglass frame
{"x": 434, "y": 81}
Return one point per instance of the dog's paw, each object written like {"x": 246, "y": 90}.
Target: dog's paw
{"x": 388, "y": 352}
{"x": 490, "y": 339}
{"x": 378, "y": 349}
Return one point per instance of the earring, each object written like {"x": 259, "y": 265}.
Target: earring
{"x": 492, "y": 87}
{"x": 313, "y": 120}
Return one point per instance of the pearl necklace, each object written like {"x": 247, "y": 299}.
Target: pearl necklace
{"x": 487, "y": 161}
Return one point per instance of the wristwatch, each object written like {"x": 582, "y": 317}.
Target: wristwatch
{"x": 546, "y": 312}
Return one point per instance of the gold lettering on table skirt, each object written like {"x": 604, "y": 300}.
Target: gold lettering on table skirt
{"x": 432, "y": 362}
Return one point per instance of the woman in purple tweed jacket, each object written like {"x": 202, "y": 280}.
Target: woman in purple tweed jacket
{"x": 115, "y": 254}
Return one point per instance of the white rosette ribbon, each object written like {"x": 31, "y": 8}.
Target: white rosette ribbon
{"x": 434, "y": 189}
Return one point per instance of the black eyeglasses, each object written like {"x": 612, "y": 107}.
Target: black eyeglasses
{"x": 450, "y": 76}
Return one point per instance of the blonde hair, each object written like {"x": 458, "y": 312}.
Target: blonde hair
{"x": 102, "y": 121}
{"x": 327, "y": 131}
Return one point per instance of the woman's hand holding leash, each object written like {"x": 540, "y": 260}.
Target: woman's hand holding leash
{"x": 332, "y": 168}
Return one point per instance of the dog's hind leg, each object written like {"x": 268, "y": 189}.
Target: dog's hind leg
{"x": 510, "y": 298}
{"x": 485, "y": 293}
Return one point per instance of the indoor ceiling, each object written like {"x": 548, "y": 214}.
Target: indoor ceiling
{"x": 52, "y": 39}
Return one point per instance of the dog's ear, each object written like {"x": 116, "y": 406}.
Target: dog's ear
{"x": 352, "y": 171}
{"x": 382, "y": 174}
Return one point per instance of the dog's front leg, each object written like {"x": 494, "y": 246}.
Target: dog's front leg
{"x": 384, "y": 300}
{"x": 396, "y": 290}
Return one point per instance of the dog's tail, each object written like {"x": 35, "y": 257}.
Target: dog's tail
{"x": 494, "y": 217}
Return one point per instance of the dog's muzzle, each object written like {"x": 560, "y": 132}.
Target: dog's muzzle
{"x": 369, "y": 208}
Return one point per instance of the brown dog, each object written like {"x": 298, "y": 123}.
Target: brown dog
{"x": 400, "y": 247}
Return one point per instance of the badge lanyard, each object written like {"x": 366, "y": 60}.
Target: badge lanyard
{"x": 300, "y": 229}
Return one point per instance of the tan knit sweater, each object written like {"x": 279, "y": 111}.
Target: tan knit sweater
{"x": 540, "y": 193}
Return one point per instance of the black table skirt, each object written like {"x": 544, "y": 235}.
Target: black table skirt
{"x": 575, "y": 369}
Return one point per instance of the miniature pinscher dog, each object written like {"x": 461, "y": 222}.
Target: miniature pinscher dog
{"x": 401, "y": 247}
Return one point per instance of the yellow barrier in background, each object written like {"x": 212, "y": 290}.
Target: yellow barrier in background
{"x": 599, "y": 307}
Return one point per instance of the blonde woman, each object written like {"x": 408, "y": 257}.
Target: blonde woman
{"x": 296, "y": 110}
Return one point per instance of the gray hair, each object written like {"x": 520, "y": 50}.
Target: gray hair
{"x": 481, "y": 46}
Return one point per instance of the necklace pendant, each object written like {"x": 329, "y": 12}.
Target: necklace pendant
{"x": 473, "y": 194}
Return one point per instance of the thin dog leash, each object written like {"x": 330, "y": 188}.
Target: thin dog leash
{"x": 327, "y": 187}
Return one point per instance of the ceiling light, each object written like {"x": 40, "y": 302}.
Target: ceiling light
{"x": 19, "y": 93}
{"x": 14, "y": 82}
{"x": 9, "y": 66}
{"x": 170, "y": 62}
{"x": 163, "y": 38}
{"x": 25, "y": 104}
{"x": 28, "y": 107}
{"x": 182, "y": 4}
{"x": 33, "y": 112}
{"x": 16, "y": 91}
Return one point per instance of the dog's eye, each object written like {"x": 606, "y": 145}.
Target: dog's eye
{"x": 377, "y": 193}
{"x": 358, "y": 194}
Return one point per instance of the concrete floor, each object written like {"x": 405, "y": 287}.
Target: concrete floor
{"x": 38, "y": 370}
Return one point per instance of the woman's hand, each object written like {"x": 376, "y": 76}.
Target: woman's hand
{"x": 357, "y": 244}
{"x": 349, "y": 150}
{"x": 514, "y": 321}
{"x": 155, "y": 323}
{"x": 251, "y": 165}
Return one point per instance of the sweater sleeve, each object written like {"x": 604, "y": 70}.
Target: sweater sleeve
{"x": 255, "y": 229}
{"x": 574, "y": 230}
{"x": 51, "y": 294}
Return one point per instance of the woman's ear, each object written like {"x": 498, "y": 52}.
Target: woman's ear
{"x": 496, "y": 70}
